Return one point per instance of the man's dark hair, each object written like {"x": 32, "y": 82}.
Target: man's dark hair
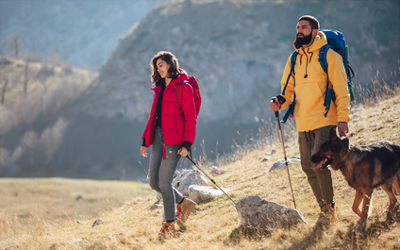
{"x": 314, "y": 23}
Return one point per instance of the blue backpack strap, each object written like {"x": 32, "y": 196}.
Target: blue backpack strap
{"x": 329, "y": 94}
{"x": 290, "y": 111}
{"x": 322, "y": 57}
{"x": 292, "y": 63}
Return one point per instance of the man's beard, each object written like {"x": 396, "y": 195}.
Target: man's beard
{"x": 300, "y": 41}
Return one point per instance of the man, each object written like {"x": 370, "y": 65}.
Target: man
{"x": 308, "y": 84}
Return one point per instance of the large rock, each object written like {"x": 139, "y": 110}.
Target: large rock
{"x": 187, "y": 177}
{"x": 195, "y": 185}
{"x": 257, "y": 212}
{"x": 184, "y": 179}
{"x": 204, "y": 193}
{"x": 281, "y": 163}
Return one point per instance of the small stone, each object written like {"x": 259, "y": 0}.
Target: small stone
{"x": 156, "y": 206}
{"x": 265, "y": 159}
{"x": 75, "y": 240}
{"x": 281, "y": 163}
{"x": 97, "y": 222}
{"x": 216, "y": 171}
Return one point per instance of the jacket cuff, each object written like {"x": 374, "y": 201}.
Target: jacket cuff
{"x": 187, "y": 145}
{"x": 281, "y": 99}
{"x": 144, "y": 143}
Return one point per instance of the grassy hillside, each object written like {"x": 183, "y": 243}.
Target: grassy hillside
{"x": 213, "y": 225}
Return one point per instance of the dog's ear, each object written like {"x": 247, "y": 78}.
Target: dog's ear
{"x": 334, "y": 140}
{"x": 332, "y": 135}
{"x": 346, "y": 143}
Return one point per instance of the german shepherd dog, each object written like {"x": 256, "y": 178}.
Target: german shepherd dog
{"x": 364, "y": 168}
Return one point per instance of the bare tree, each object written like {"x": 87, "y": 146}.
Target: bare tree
{"x": 3, "y": 93}
{"x": 2, "y": 77}
{"x": 13, "y": 43}
{"x": 16, "y": 45}
{"x": 26, "y": 76}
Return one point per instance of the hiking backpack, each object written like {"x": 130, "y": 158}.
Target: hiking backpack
{"x": 196, "y": 93}
{"x": 336, "y": 42}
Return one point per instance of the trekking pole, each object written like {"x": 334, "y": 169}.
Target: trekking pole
{"x": 201, "y": 170}
{"x": 284, "y": 153}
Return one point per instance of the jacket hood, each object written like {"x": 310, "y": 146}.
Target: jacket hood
{"x": 182, "y": 75}
{"x": 319, "y": 41}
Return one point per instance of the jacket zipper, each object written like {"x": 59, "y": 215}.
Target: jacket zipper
{"x": 306, "y": 75}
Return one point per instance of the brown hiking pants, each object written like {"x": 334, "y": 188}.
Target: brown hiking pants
{"x": 320, "y": 180}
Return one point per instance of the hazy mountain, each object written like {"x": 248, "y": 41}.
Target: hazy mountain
{"x": 238, "y": 52}
{"x": 81, "y": 32}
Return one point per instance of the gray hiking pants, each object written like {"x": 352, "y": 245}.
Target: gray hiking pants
{"x": 161, "y": 173}
{"x": 320, "y": 180}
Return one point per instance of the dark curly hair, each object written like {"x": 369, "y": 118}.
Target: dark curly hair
{"x": 169, "y": 58}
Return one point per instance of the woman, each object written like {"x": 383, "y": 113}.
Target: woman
{"x": 172, "y": 134}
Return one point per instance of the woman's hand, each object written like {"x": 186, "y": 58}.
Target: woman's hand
{"x": 183, "y": 151}
{"x": 143, "y": 151}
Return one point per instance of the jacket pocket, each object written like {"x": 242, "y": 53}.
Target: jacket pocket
{"x": 179, "y": 121}
{"x": 179, "y": 126}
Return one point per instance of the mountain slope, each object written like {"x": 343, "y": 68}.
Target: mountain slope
{"x": 237, "y": 50}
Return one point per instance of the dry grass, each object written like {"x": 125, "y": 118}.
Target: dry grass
{"x": 213, "y": 225}
{"x": 31, "y": 207}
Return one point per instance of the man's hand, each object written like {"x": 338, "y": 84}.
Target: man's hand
{"x": 274, "y": 104}
{"x": 143, "y": 151}
{"x": 183, "y": 151}
{"x": 343, "y": 128}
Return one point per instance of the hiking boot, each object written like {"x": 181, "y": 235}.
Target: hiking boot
{"x": 183, "y": 210}
{"x": 167, "y": 231}
{"x": 327, "y": 215}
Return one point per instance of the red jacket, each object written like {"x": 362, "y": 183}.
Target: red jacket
{"x": 176, "y": 128}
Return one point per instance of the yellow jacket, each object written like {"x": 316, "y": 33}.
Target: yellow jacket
{"x": 309, "y": 83}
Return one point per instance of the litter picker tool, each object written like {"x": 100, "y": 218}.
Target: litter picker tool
{"x": 201, "y": 170}
{"x": 284, "y": 152}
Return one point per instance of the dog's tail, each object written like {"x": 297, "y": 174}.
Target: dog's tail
{"x": 396, "y": 184}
